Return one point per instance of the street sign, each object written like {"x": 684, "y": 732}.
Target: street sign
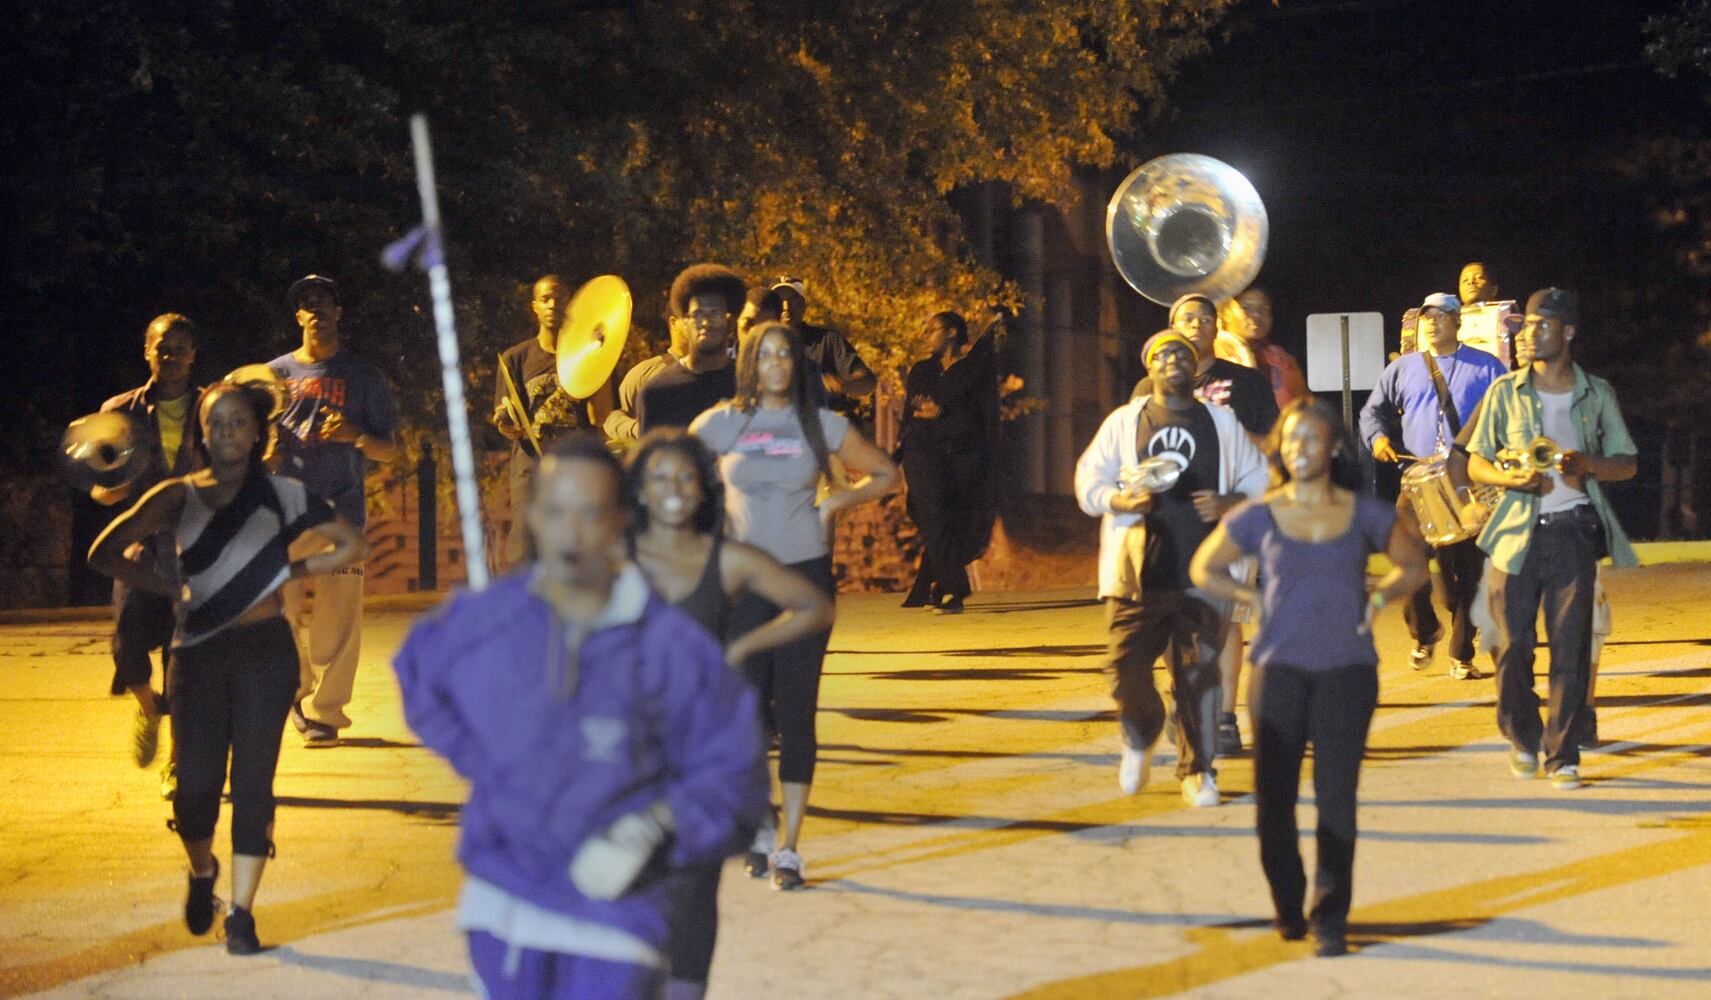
{"x": 1329, "y": 368}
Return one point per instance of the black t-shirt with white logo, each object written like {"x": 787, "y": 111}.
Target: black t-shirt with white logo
{"x": 1174, "y": 530}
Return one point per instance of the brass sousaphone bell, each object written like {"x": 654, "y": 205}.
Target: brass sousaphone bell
{"x": 1186, "y": 223}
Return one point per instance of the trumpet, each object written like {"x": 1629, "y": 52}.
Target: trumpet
{"x": 1541, "y": 453}
{"x": 1155, "y": 474}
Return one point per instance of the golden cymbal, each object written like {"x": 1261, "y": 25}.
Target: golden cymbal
{"x": 592, "y": 337}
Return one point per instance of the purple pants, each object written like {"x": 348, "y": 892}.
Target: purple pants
{"x": 549, "y": 975}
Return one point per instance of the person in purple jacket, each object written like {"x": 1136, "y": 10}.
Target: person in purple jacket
{"x": 607, "y": 745}
{"x": 1315, "y": 667}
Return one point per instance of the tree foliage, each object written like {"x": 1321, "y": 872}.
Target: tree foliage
{"x": 197, "y": 155}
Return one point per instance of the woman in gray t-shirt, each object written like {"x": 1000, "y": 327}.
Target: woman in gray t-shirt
{"x": 774, "y": 447}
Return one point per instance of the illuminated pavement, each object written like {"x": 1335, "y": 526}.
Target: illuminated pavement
{"x": 969, "y": 840}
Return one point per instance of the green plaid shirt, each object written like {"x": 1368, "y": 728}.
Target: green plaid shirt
{"x": 1511, "y": 417}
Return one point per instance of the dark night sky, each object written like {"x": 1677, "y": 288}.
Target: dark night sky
{"x": 1394, "y": 140}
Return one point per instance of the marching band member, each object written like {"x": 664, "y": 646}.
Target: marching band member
{"x": 172, "y": 439}
{"x": 1549, "y": 531}
{"x": 234, "y": 663}
{"x": 1315, "y": 666}
{"x": 774, "y": 446}
{"x": 593, "y": 785}
{"x": 341, "y": 417}
{"x": 533, "y": 367}
{"x": 1424, "y": 398}
{"x": 1145, "y": 542}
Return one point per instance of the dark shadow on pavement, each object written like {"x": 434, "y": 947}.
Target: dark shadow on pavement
{"x": 1096, "y": 759}
{"x": 1057, "y": 649}
{"x": 971, "y": 673}
{"x": 1415, "y": 952}
{"x": 445, "y": 811}
{"x": 368, "y": 970}
{"x": 1585, "y": 802}
{"x": 377, "y": 743}
{"x": 944, "y": 714}
{"x": 988, "y": 904}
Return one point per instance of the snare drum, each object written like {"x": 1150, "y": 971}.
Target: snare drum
{"x": 1447, "y": 513}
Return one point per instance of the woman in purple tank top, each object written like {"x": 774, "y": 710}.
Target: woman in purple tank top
{"x": 677, "y": 522}
{"x": 1315, "y": 668}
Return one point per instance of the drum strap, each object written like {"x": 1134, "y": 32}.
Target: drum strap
{"x": 1444, "y": 401}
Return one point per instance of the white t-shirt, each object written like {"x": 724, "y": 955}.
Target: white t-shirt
{"x": 1558, "y": 413}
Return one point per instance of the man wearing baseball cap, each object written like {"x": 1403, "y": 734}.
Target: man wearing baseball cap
{"x": 842, "y": 371}
{"x": 1147, "y": 536}
{"x": 1424, "y": 398}
{"x": 341, "y": 417}
{"x": 1548, "y": 533}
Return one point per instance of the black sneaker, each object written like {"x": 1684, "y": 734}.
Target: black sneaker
{"x": 199, "y": 902}
{"x": 240, "y": 933}
{"x": 1330, "y": 942}
{"x": 1293, "y": 929}
{"x": 318, "y": 736}
{"x": 757, "y": 864}
{"x": 299, "y": 721}
{"x": 1229, "y": 735}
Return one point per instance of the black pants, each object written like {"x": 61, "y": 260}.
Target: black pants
{"x": 943, "y": 489}
{"x": 1332, "y": 709}
{"x": 1559, "y": 572}
{"x": 788, "y": 678}
{"x": 230, "y": 696}
{"x": 695, "y": 922}
{"x": 1459, "y": 567}
{"x": 1192, "y": 632}
{"x": 144, "y": 624}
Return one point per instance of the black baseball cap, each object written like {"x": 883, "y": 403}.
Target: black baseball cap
{"x": 308, "y": 281}
{"x": 1558, "y": 302}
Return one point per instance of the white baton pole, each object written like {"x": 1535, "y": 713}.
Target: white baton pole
{"x": 451, "y": 376}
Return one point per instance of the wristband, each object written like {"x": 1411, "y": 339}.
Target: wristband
{"x": 1376, "y": 600}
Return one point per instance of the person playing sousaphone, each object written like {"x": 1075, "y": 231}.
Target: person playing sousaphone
{"x": 1425, "y": 398}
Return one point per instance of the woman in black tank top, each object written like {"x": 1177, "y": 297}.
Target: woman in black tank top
{"x": 677, "y": 508}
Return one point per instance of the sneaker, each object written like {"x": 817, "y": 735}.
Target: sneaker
{"x": 1421, "y": 657}
{"x": 1464, "y": 670}
{"x": 145, "y": 738}
{"x": 950, "y": 607}
{"x": 299, "y": 721}
{"x": 240, "y": 933}
{"x": 1523, "y": 764}
{"x": 758, "y": 862}
{"x": 1229, "y": 735}
{"x": 1330, "y": 943}
{"x": 1200, "y": 791}
{"x": 169, "y": 781}
{"x": 318, "y": 737}
{"x": 1566, "y": 778}
{"x": 1290, "y": 929}
{"x": 1133, "y": 768}
{"x": 199, "y": 902}
{"x": 787, "y": 870}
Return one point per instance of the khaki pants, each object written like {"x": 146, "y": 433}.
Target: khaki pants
{"x": 329, "y": 646}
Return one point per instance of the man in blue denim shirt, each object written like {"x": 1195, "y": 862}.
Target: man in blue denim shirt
{"x": 1546, "y": 535}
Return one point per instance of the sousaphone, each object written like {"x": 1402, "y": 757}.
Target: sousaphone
{"x": 1186, "y": 223}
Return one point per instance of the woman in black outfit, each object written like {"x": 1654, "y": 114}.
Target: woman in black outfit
{"x": 950, "y": 424}
{"x": 234, "y": 663}
{"x": 677, "y": 511}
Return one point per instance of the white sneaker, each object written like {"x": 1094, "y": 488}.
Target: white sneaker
{"x": 1132, "y": 770}
{"x": 1200, "y": 791}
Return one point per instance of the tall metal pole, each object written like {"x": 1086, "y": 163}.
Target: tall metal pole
{"x": 451, "y": 376}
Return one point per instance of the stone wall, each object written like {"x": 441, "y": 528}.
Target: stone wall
{"x": 35, "y": 542}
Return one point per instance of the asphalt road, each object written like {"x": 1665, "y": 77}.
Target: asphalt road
{"x": 968, "y": 837}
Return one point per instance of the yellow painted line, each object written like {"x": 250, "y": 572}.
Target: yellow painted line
{"x": 1224, "y": 954}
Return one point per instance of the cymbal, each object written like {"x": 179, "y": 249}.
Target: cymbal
{"x": 592, "y": 337}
